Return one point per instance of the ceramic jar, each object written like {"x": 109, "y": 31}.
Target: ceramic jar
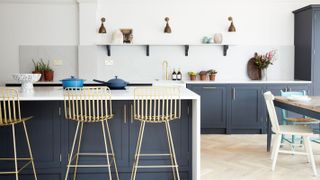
{"x": 217, "y": 38}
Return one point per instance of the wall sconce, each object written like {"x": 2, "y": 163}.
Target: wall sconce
{"x": 102, "y": 29}
{"x": 167, "y": 29}
{"x": 232, "y": 28}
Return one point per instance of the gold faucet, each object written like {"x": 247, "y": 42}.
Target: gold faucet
{"x": 165, "y": 73}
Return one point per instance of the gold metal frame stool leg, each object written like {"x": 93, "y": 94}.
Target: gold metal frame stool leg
{"x": 172, "y": 154}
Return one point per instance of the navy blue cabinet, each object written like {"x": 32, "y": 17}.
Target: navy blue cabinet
{"x": 214, "y": 106}
{"x": 245, "y": 109}
{"x": 44, "y": 133}
{"x": 155, "y": 141}
{"x": 51, "y": 136}
{"x": 307, "y": 45}
{"x": 238, "y": 108}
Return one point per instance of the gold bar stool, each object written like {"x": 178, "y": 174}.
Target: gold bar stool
{"x": 89, "y": 105}
{"x": 10, "y": 115}
{"x": 156, "y": 105}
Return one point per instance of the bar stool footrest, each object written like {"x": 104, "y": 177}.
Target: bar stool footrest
{"x": 158, "y": 166}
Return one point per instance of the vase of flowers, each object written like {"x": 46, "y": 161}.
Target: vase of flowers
{"x": 262, "y": 63}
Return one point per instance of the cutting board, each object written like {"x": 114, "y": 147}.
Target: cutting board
{"x": 253, "y": 72}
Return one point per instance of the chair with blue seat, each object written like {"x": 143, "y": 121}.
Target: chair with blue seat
{"x": 295, "y": 120}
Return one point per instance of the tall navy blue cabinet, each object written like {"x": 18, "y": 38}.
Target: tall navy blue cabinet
{"x": 307, "y": 45}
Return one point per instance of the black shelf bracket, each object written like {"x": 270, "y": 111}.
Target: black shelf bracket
{"x": 186, "y": 50}
{"x": 225, "y": 49}
{"x": 147, "y": 50}
{"x": 108, "y": 50}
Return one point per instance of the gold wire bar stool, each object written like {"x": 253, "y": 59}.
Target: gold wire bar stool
{"x": 89, "y": 105}
{"x": 156, "y": 105}
{"x": 10, "y": 115}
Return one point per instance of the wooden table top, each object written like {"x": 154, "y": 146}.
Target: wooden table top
{"x": 313, "y": 104}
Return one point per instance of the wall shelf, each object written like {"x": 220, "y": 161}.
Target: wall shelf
{"x": 225, "y": 47}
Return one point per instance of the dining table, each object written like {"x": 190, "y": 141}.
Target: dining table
{"x": 308, "y": 107}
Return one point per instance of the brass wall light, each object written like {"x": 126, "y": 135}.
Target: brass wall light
{"x": 102, "y": 29}
{"x": 232, "y": 28}
{"x": 167, "y": 29}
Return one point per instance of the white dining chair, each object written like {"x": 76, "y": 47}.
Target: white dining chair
{"x": 279, "y": 130}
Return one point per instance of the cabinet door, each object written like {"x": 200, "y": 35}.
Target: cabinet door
{"x": 316, "y": 54}
{"x": 155, "y": 141}
{"x": 246, "y": 105}
{"x": 213, "y": 107}
{"x": 44, "y": 135}
{"x": 93, "y": 142}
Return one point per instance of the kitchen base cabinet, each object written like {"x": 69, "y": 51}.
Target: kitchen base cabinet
{"x": 245, "y": 109}
{"x": 213, "y": 111}
{"x": 238, "y": 108}
{"x": 51, "y": 139}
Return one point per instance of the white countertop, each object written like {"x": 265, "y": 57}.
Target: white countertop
{"x": 247, "y": 82}
{"x": 184, "y": 82}
{"x": 56, "y": 93}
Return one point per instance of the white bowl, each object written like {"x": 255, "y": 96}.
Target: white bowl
{"x": 26, "y": 81}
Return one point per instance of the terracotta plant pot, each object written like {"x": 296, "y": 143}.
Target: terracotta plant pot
{"x": 203, "y": 77}
{"x": 48, "y": 75}
{"x": 212, "y": 77}
{"x": 193, "y": 77}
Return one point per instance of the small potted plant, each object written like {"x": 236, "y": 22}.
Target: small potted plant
{"x": 38, "y": 69}
{"x": 203, "y": 75}
{"x": 47, "y": 71}
{"x": 192, "y": 75}
{"x": 212, "y": 74}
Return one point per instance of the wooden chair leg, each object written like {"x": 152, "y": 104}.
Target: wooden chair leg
{"x": 15, "y": 152}
{"x": 30, "y": 150}
{"x": 106, "y": 147}
{"x": 310, "y": 154}
{"x": 273, "y": 149}
{"x": 276, "y": 151}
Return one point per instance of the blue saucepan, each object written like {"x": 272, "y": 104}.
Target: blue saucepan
{"x": 72, "y": 82}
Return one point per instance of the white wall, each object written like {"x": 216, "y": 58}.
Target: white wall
{"x": 33, "y": 24}
{"x": 262, "y": 25}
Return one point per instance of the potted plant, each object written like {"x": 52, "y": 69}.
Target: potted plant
{"x": 212, "y": 74}
{"x": 262, "y": 63}
{"x": 47, "y": 71}
{"x": 203, "y": 75}
{"x": 192, "y": 75}
{"x": 38, "y": 69}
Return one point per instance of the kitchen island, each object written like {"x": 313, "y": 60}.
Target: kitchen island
{"x": 51, "y": 137}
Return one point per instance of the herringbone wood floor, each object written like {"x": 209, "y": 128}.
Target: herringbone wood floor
{"x": 244, "y": 157}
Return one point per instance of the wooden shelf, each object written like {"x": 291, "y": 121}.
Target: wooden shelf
{"x": 225, "y": 47}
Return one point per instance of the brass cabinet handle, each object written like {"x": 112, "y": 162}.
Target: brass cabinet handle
{"x": 209, "y": 87}
{"x": 125, "y": 114}
{"x": 131, "y": 111}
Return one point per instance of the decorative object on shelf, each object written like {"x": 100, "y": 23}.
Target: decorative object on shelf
{"x": 167, "y": 29}
{"x": 203, "y": 75}
{"x": 212, "y": 74}
{"x": 102, "y": 29}
{"x": 192, "y": 75}
{"x": 232, "y": 28}
{"x": 117, "y": 37}
{"x": 261, "y": 63}
{"x": 127, "y": 35}
{"x": 26, "y": 81}
{"x": 217, "y": 38}
{"x": 207, "y": 40}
